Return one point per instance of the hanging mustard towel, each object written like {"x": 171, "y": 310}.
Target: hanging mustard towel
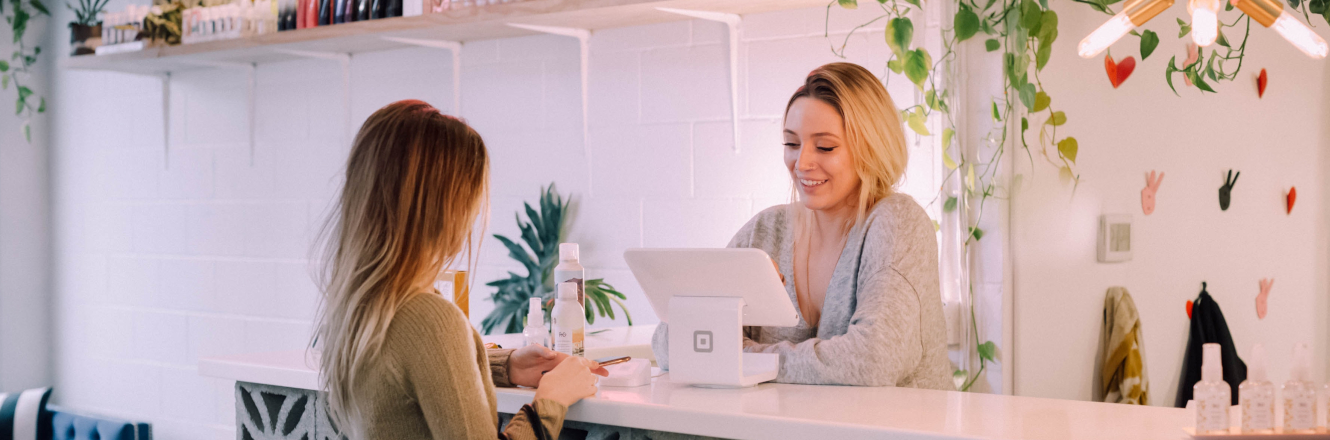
{"x": 1124, "y": 378}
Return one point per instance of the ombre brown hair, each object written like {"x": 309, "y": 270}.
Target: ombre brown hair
{"x": 873, "y": 131}
{"x": 416, "y": 181}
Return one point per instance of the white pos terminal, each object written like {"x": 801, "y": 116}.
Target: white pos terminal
{"x": 707, "y": 296}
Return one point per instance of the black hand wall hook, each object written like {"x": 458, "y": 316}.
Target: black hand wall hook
{"x": 1226, "y": 191}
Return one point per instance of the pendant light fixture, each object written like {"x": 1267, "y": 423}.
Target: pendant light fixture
{"x": 1205, "y": 24}
{"x": 1271, "y": 14}
{"x": 1204, "y": 21}
{"x": 1134, "y": 13}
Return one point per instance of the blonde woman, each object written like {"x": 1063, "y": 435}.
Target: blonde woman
{"x": 859, "y": 260}
{"x": 399, "y": 361}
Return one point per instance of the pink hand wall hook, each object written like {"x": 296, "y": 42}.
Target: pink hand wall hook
{"x": 1266, "y": 284}
{"x": 1148, "y": 194}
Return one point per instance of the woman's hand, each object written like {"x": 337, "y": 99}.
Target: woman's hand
{"x": 527, "y": 364}
{"x": 569, "y": 382}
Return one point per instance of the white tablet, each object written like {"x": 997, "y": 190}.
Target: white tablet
{"x": 740, "y": 273}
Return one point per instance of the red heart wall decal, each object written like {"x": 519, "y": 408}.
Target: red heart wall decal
{"x": 1118, "y": 71}
{"x": 1261, "y": 81}
{"x": 1292, "y": 197}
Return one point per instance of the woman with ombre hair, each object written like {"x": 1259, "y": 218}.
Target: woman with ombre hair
{"x": 859, "y": 259}
{"x": 398, "y": 361}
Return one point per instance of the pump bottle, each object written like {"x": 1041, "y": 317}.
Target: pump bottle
{"x": 1212, "y": 395}
{"x": 571, "y": 270}
{"x": 569, "y": 321}
{"x": 1299, "y": 394}
{"x": 1256, "y": 396}
{"x": 535, "y": 332}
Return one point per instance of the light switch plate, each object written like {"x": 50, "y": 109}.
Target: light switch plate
{"x": 1114, "y": 238}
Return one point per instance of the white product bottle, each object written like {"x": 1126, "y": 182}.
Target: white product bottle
{"x": 1299, "y": 394}
{"x": 569, "y": 321}
{"x": 571, "y": 270}
{"x": 535, "y": 332}
{"x": 1256, "y": 395}
{"x": 1213, "y": 396}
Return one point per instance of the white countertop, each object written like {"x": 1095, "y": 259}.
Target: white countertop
{"x": 787, "y": 411}
{"x": 300, "y": 369}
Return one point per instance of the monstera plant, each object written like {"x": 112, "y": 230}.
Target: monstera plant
{"x": 542, "y": 232}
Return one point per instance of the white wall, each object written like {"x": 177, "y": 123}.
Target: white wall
{"x": 1276, "y": 142}
{"x": 164, "y": 257}
{"x": 25, "y": 336}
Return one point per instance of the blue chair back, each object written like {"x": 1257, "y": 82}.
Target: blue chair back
{"x": 69, "y": 425}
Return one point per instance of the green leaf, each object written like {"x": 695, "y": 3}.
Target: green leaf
{"x": 1184, "y": 28}
{"x": 913, "y": 2}
{"x": 1222, "y": 40}
{"x": 1025, "y": 125}
{"x": 966, "y": 23}
{"x": 1048, "y": 27}
{"x": 959, "y": 377}
{"x": 950, "y": 205}
{"x": 1041, "y": 56}
{"x": 1058, "y": 118}
{"x": 849, "y": 4}
{"x": 947, "y": 134}
{"x": 1041, "y": 101}
{"x": 4, "y": 66}
{"x": 4, "y": 82}
{"x": 37, "y": 4}
{"x": 917, "y": 66}
{"x": 977, "y": 233}
{"x": 947, "y": 161}
{"x": 1031, "y": 16}
{"x": 27, "y": 132}
{"x": 896, "y": 65}
{"x": 992, "y": 44}
{"x": 917, "y": 121}
{"x": 1149, "y": 40}
{"x": 987, "y": 351}
{"x": 899, "y": 33}
{"x": 930, "y": 98}
{"x": 42, "y": 108}
{"x": 996, "y": 115}
{"x": 1068, "y": 148}
{"x": 1065, "y": 175}
{"x": 1027, "y": 94}
{"x": 1168, "y": 74}
{"x": 18, "y": 106}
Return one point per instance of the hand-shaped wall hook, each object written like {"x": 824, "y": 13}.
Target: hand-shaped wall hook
{"x": 1148, "y": 194}
{"x": 1226, "y": 191}
{"x": 1290, "y": 198}
{"x": 1266, "y": 284}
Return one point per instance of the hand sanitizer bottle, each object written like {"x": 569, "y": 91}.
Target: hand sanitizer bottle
{"x": 535, "y": 332}
{"x": 1256, "y": 395}
{"x": 1299, "y": 394}
{"x": 1213, "y": 396}
{"x": 569, "y": 321}
{"x": 570, "y": 270}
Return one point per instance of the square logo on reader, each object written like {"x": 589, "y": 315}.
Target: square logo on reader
{"x": 702, "y": 341}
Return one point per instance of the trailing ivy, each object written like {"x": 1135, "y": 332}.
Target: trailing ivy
{"x": 17, "y": 69}
{"x": 1024, "y": 31}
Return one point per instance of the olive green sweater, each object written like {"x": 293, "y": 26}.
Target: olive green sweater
{"x": 434, "y": 379}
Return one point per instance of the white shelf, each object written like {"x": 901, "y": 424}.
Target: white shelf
{"x": 469, "y": 24}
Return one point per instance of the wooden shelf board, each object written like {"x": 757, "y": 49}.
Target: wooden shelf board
{"x": 469, "y": 24}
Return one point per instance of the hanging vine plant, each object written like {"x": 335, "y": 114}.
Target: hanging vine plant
{"x": 1024, "y": 32}
{"x": 17, "y": 69}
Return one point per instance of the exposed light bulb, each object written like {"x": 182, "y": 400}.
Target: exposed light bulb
{"x": 1204, "y": 21}
{"x": 1302, "y": 37}
{"x": 1107, "y": 34}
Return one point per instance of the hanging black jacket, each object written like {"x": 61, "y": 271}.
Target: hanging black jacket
{"x": 1208, "y": 325}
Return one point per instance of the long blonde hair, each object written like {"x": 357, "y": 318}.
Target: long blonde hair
{"x": 873, "y": 131}
{"x": 415, "y": 182}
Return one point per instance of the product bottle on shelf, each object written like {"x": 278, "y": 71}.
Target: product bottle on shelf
{"x": 535, "y": 331}
{"x": 1213, "y": 396}
{"x": 570, "y": 270}
{"x": 1256, "y": 396}
{"x": 1299, "y": 394}
{"x": 569, "y": 321}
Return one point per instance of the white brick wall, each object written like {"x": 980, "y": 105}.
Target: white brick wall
{"x": 166, "y": 257}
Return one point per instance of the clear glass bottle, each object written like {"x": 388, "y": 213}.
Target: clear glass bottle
{"x": 1299, "y": 394}
{"x": 535, "y": 331}
{"x": 1213, "y": 396}
{"x": 1256, "y": 396}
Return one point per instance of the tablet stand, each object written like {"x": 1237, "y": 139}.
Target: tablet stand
{"x": 706, "y": 344}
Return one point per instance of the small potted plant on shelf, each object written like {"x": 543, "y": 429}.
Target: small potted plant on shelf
{"x": 85, "y": 33}
{"x": 163, "y": 23}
